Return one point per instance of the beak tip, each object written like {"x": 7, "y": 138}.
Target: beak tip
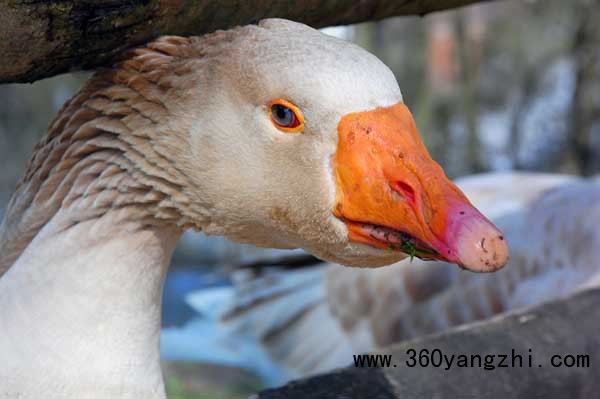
{"x": 482, "y": 246}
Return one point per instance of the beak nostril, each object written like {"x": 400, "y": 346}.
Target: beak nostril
{"x": 405, "y": 190}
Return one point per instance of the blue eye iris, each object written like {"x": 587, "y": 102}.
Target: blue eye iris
{"x": 286, "y": 116}
{"x": 283, "y": 115}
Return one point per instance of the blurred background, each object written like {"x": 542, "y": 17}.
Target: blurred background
{"x": 508, "y": 85}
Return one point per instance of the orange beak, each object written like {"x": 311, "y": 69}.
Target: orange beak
{"x": 391, "y": 194}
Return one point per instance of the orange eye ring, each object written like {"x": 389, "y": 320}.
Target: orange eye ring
{"x": 286, "y": 116}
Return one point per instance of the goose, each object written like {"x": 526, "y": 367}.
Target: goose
{"x": 271, "y": 134}
{"x": 295, "y": 323}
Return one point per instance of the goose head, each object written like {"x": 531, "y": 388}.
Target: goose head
{"x": 298, "y": 139}
{"x": 301, "y": 140}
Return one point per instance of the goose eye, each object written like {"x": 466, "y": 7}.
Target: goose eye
{"x": 283, "y": 115}
{"x": 286, "y": 116}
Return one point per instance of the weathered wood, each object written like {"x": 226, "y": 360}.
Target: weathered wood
{"x": 39, "y": 39}
{"x": 568, "y": 327}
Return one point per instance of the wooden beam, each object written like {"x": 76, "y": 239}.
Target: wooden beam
{"x": 39, "y": 39}
{"x": 568, "y": 327}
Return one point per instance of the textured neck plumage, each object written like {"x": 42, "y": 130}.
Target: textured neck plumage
{"x": 108, "y": 151}
{"x": 89, "y": 233}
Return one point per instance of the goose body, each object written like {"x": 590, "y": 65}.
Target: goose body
{"x": 318, "y": 317}
{"x": 274, "y": 135}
